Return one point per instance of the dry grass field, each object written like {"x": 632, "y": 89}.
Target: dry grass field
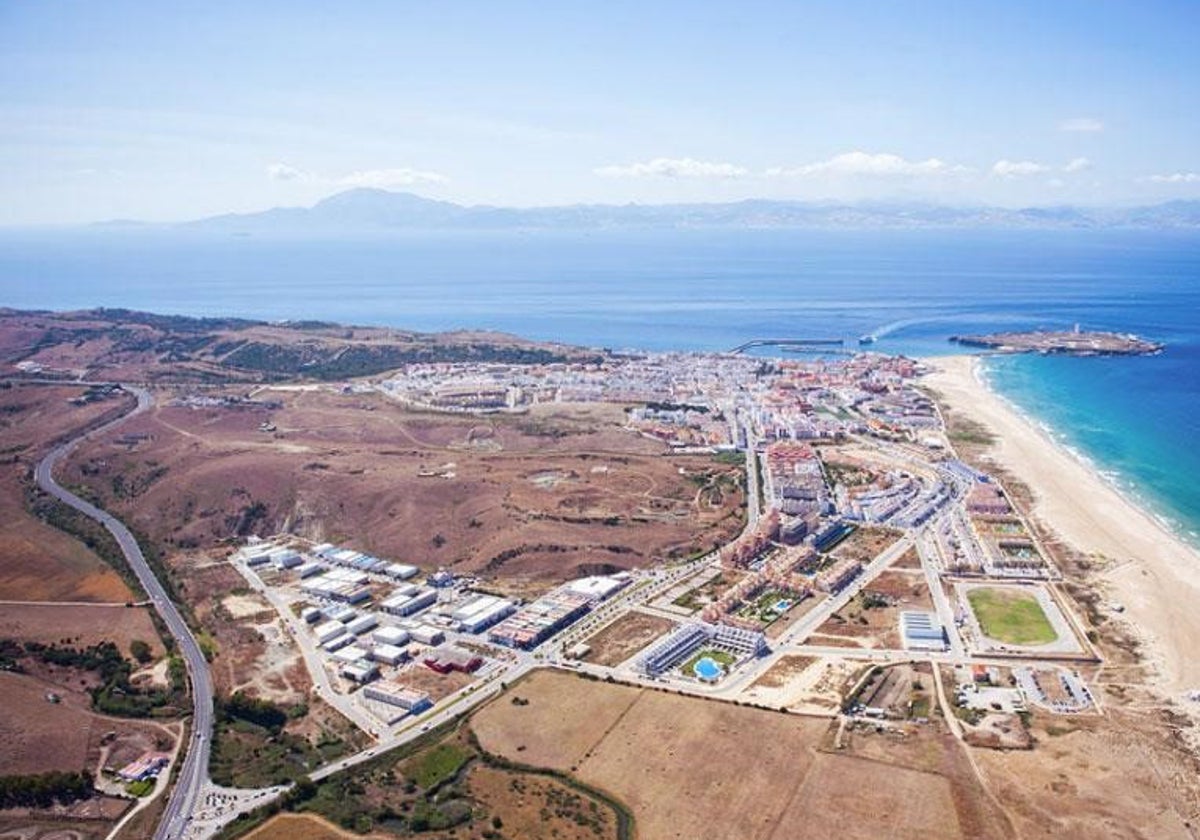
{"x": 43, "y": 827}
{"x": 530, "y": 806}
{"x": 38, "y": 562}
{"x": 625, "y": 637}
{"x": 690, "y": 768}
{"x": 538, "y": 496}
{"x": 299, "y": 827}
{"x": 686, "y": 768}
{"x": 37, "y": 736}
{"x": 80, "y": 625}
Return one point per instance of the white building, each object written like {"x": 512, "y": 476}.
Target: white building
{"x": 598, "y": 587}
{"x": 480, "y": 612}
{"x": 389, "y": 654}
{"x": 400, "y": 571}
{"x": 361, "y": 671}
{"x": 362, "y": 624}
{"x": 395, "y": 694}
{"x": 427, "y": 635}
{"x": 409, "y": 604}
{"x": 391, "y": 636}
{"x": 329, "y": 630}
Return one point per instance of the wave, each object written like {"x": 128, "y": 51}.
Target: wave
{"x": 1125, "y": 485}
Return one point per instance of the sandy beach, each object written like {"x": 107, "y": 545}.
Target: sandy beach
{"x": 1153, "y": 573}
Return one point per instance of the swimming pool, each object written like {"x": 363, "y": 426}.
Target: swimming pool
{"x": 708, "y": 669}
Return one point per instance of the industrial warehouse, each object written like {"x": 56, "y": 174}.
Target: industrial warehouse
{"x": 383, "y": 637}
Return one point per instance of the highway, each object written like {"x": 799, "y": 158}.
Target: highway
{"x": 193, "y": 772}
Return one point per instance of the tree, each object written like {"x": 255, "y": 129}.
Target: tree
{"x": 140, "y": 651}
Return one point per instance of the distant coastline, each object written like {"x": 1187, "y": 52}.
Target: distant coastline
{"x": 366, "y": 210}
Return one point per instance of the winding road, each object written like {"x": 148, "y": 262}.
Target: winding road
{"x": 194, "y": 770}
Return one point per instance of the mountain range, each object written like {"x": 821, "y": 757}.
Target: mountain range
{"x": 374, "y": 210}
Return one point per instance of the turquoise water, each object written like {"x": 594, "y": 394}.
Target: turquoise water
{"x": 1132, "y": 418}
{"x": 1138, "y": 419}
{"x": 707, "y": 669}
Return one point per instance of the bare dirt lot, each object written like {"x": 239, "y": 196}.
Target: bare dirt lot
{"x": 1123, "y": 775}
{"x": 39, "y": 562}
{"x": 418, "y": 676}
{"x": 80, "y": 625}
{"x": 783, "y": 671}
{"x": 871, "y": 619}
{"x": 96, "y": 821}
{"x": 625, "y": 637}
{"x": 253, "y": 652}
{"x": 866, "y": 543}
{"x": 545, "y": 495}
{"x": 805, "y": 684}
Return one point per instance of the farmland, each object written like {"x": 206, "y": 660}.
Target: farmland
{"x": 37, "y": 561}
{"x": 37, "y": 735}
{"x": 693, "y": 768}
{"x": 80, "y": 625}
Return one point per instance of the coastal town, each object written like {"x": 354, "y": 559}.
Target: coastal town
{"x": 869, "y": 549}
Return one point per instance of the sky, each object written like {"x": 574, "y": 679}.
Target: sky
{"x": 171, "y": 111}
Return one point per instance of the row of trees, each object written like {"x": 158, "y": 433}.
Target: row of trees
{"x": 41, "y": 790}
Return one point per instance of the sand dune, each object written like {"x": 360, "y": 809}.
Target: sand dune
{"x": 1153, "y": 573}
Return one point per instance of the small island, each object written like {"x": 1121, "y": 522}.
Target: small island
{"x": 1074, "y": 342}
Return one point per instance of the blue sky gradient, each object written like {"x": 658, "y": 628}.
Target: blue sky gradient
{"x": 168, "y": 111}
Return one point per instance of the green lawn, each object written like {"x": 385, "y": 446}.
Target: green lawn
{"x": 718, "y": 656}
{"x": 1012, "y": 617}
{"x": 140, "y": 788}
{"x": 435, "y": 765}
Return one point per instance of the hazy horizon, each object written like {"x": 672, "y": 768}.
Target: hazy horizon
{"x": 134, "y": 111}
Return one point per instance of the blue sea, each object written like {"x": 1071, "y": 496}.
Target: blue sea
{"x": 1138, "y": 419}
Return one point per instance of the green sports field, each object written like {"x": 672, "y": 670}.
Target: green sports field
{"x": 1011, "y": 616}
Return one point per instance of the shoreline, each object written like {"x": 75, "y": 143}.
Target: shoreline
{"x": 1119, "y": 481}
{"x": 1151, "y": 571}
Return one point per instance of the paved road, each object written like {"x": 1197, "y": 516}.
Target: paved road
{"x": 194, "y": 770}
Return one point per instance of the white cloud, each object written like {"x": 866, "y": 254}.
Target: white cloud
{"x": 674, "y": 168}
{"x": 1078, "y": 164}
{"x": 1018, "y": 168}
{"x": 1175, "y": 178}
{"x": 863, "y": 163}
{"x": 378, "y": 178}
{"x": 385, "y": 178}
{"x": 284, "y": 172}
{"x": 1083, "y": 124}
